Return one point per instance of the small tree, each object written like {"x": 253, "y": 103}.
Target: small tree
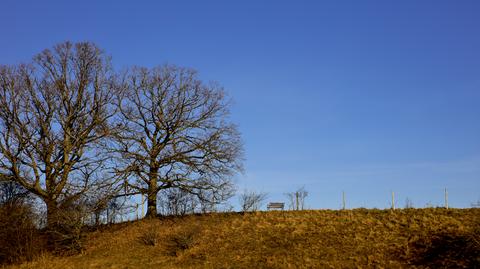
{"x": 297, "y": 199}
{"x": 251, "y": 200}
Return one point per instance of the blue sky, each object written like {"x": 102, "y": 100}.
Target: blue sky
{"x": 364, "y": 97}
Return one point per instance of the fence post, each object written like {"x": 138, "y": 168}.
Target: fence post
{"x": 393, "y": 200}
{"x": 343, "y": 200}
{"x": 446, "y": 198}
{"x": 143, "y": 210}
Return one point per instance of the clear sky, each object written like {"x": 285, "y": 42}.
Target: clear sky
{"x": 364, "y": 97}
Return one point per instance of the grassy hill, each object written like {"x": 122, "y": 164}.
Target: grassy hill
{"x": 360, "y": 238}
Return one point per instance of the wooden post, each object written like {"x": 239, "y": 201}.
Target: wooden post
{"x": 393, "y": 200}
{"x": 143, "y": 209}
{"x": 343, "y": 200}
{"x": 446, "y": 198}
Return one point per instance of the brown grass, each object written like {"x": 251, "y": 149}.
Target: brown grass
{"x": 416, "y": 238}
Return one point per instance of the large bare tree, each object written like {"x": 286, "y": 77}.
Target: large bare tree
{"x": 54, "y": 113}
{"x": 176, "y": 134}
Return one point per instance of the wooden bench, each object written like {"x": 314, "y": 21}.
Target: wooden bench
{"x": 275, "y": 206}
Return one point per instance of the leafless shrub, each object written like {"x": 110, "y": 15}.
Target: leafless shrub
{"x": 66, "y": 232}
{"x": 182, "y": 240}
{"x": 149, "y": 237}
{"x": 20, "y": 239}
{"x": 211, "y": 200}
{"x": 251, "y": 200}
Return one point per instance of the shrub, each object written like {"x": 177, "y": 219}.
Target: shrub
{"x": 182, "y": 240}
{"x": 149, "y": 237}
{"x": 66, "y": 233}
{"x": 20, "y": 240}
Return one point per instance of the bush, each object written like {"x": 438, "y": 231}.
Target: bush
{"x": 20, "y": 240}
{"x": 67, "y": 233}
{"x": 182, "y": 240}
{"x": 149, "y": 237}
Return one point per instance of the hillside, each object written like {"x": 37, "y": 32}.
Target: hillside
{"x": 358, "y": 238}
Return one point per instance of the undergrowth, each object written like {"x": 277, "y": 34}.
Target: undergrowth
{"x": 363, "y": 238}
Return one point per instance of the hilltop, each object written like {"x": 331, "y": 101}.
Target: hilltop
{"x": 360, "y": 238}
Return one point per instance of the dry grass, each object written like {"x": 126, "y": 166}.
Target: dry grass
{"x": 360, "y": 238}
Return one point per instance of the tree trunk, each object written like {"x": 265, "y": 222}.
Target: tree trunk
{"x": 151, "y": 205}
{"x": 52, "y": 213}
{"x": 152, "y": 194}
{"x": 97, "y": 219}
{"x": 52, "y": 223}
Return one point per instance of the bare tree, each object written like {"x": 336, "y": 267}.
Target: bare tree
{"x": 297, "y": 198}
{"x": 54, "y": 113}
{"x": 176, "y": 134}
{"x": 251, "y": 200}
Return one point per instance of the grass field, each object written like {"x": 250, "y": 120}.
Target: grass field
{"x": 360, "y": 238}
